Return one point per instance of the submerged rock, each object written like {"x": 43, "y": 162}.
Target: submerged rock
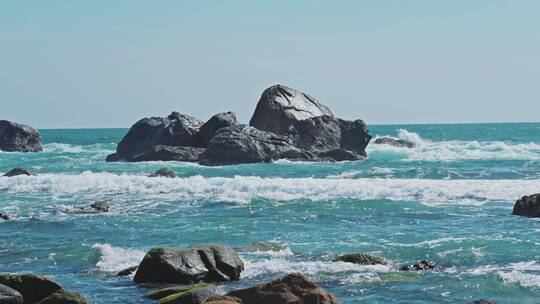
{"x": 420, "y": 266}
{"x": 184, "y": 294}
{"x": 101, "y": 206}
{"x": 33, "y": 288}
{"x": 396, "y": 142}
{"x": 218, "y": 121}
{"x": 362, "y": 259}
{"x": 4, "y": 217}
{"x": 163, "y": 172}
{"x": 528, "y": 206}
{"x": 9, "y": 295}
{"x": 127, "y": 272}
{"x": 17, "y": 171}
{"x": 200, "y": 263}
{"x": 16, "y": 137}
{"x": 294, "y": 288}
{"x": 280, "y": 107}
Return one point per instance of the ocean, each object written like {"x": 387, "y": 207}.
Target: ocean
{"x": 448, "y": 200}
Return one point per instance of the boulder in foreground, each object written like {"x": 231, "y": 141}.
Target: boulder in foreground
{"x": 200, "y": 263}
{"x": 16, "y": 137}
{"x": 9, "y": 295}
{"x": 294, "y": 288}
{"x": 528, "y": 206}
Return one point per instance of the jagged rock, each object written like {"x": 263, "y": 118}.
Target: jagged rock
{"x": 9, "y": 295}
{"x": 321, "y": 133}
{"x": 201, "y": 263}
{"x": 244, "y": 144}
{"x": 362, "y": 259}
{"x": 127, "y": 272}
{"x": 17, "y": 171}
{"x": 33, "y": 288}
{"x": 4, "y": 217}
{"x": 184, "y": 294}
{"x": 16, "y": 137}
{"x": 528, "y": 206}
{"x": 101, "y": 206}
{"x": 163, "y": 172}
{"x": 63, "y": 296}
{"x": 354, "y": 135}
{"x": 174, "y": 130}
{"x": 396, "y": 142}
{"x": 218, "y": 121}
{"x": 292, "y": 289}
{"x": 422, "y": 265}
{"x": 280, "y": 107}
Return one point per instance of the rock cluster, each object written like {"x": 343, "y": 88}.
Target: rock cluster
{"x": 528, "y": 205}
{"x": 286, "y": 124}
{"x": 16, "y": 137}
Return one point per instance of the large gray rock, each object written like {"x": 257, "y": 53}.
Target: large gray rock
{"x": 218, "y": 121}
{"x": 354, "y": 135}
{"x": 33, "y": 288}
{"x": 528, "y": 206}
{"x": 201, "y": 263}
{"x": 280, "y": 107}
{"x": 174, "y": 130}
{"x": 9, "y": 295}
{"x": 245, "y": 144}
{"x": 16, "y": 137}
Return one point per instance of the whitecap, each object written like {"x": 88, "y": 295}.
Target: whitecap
{"x": 114, "y": 259}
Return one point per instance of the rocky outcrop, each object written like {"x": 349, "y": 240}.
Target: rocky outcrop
{"x": 528, "y": 206}
{"x": 201, "y": 263}
{"x": 218, "y": 121}
{"x": 420, "y": 266}
{"x": 100, "y": 206}
{"x": 396, "y": 142}
{"x": 9, "y": 295}
{"x": 184, "y": 294}
{"x": 16, "y": 137}
{"x": 163, "y": 172}
{"x": 17, "y": 171}
{"x": 292, "y": 289}
{"x": 36, "y": 289}
{"x": 362, "y": 259}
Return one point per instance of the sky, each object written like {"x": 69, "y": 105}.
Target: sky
{"x": 101, "y": 63}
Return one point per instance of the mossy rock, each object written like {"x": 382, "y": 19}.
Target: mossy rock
{"x": 361, "y": 259}
{"x": 32, "y": 287}
{"x": 164, "y": 292}
{"x": 188, "y": 294}
{"x": 63, "y": 296}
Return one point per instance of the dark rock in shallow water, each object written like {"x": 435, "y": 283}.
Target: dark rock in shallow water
{"x": 528, "y": 206}
{"x": 127, "y": 272}
{"x": 17, "y": 171}
{"x": 9, "y": 295}
{"x": 33, "y": 288}
{"x": 482, "y": 301}
{"x": 400, "y": 143}
{"x": 339, "y": 155}
{"x": 163, "y": 172}
{"x": 4, "y": 217}
{"x": 201, "y": 263}
{"x": 188, "y": 294}
{"x": 280, "y": 107}
{"x": 16, "y": 137}
{"x": 293, "y": 288}
{"x": 218, "y": 121}
{"x": 101, "y": 206}
{"x": 63, "y": 296}
{"x": 362, "y": 259}
{"x": 422, "y": 265}
{"x": 244, "y": 144}
{"x": 174, "y": 130}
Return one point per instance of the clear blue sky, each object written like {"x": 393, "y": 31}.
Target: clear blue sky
{"x": 110, "y": 63}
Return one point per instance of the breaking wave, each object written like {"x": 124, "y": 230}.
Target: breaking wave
{"x": 114, "y": 259}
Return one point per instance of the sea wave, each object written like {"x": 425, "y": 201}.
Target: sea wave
{"x": 243, "y": 189}
{"x": 526, "y": 274}
{"x": 114, "y": 259}
{"x": 454, "y": 150}
{"x": 76, "y": 149}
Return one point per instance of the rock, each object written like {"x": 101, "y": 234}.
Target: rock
{"x": 528, "y": 206}
{"x": 163, "y": 172}
{"x": 292, "y": 289}
{"x": 280, "y": 107}
{"x": 174, "y": 130}
{"x": 9, "y": 295}
{"x": 339, "y": 155}
{"x": 184, "y": 294}
{"x": 321, "y": 133}
{"x": 101, "y": 206}
{"x": 218, "y": 121}
{"x": 33, "y": 288}
{"x": 223, "y": 300}
{"x": 169, "y": 153}
{"x": 244, "y": 144}
{"x": 396, "y": 142}
{"x": 127, "y": 272}
{"x": 354, "y": 136}
{"x": 4, "y": 217}
{"x": 362, "y": 259}
{"x": 63, "y": 296}
{"x": 201, "y": 263}
{"x": 422, "y": 265}
{"x": 482, "y": 301}
{"x": 16, "y": 137}
{"x": 17, "y": 171}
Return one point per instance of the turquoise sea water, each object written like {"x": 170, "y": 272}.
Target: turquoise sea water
{"x": 448, "y": 200}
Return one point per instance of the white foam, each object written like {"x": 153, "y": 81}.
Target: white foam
{"x": 114, "y": 259}
{"x": 526, "y": 274}
{"x": 454, "y": 150}
{"x": 242, "y": 189}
